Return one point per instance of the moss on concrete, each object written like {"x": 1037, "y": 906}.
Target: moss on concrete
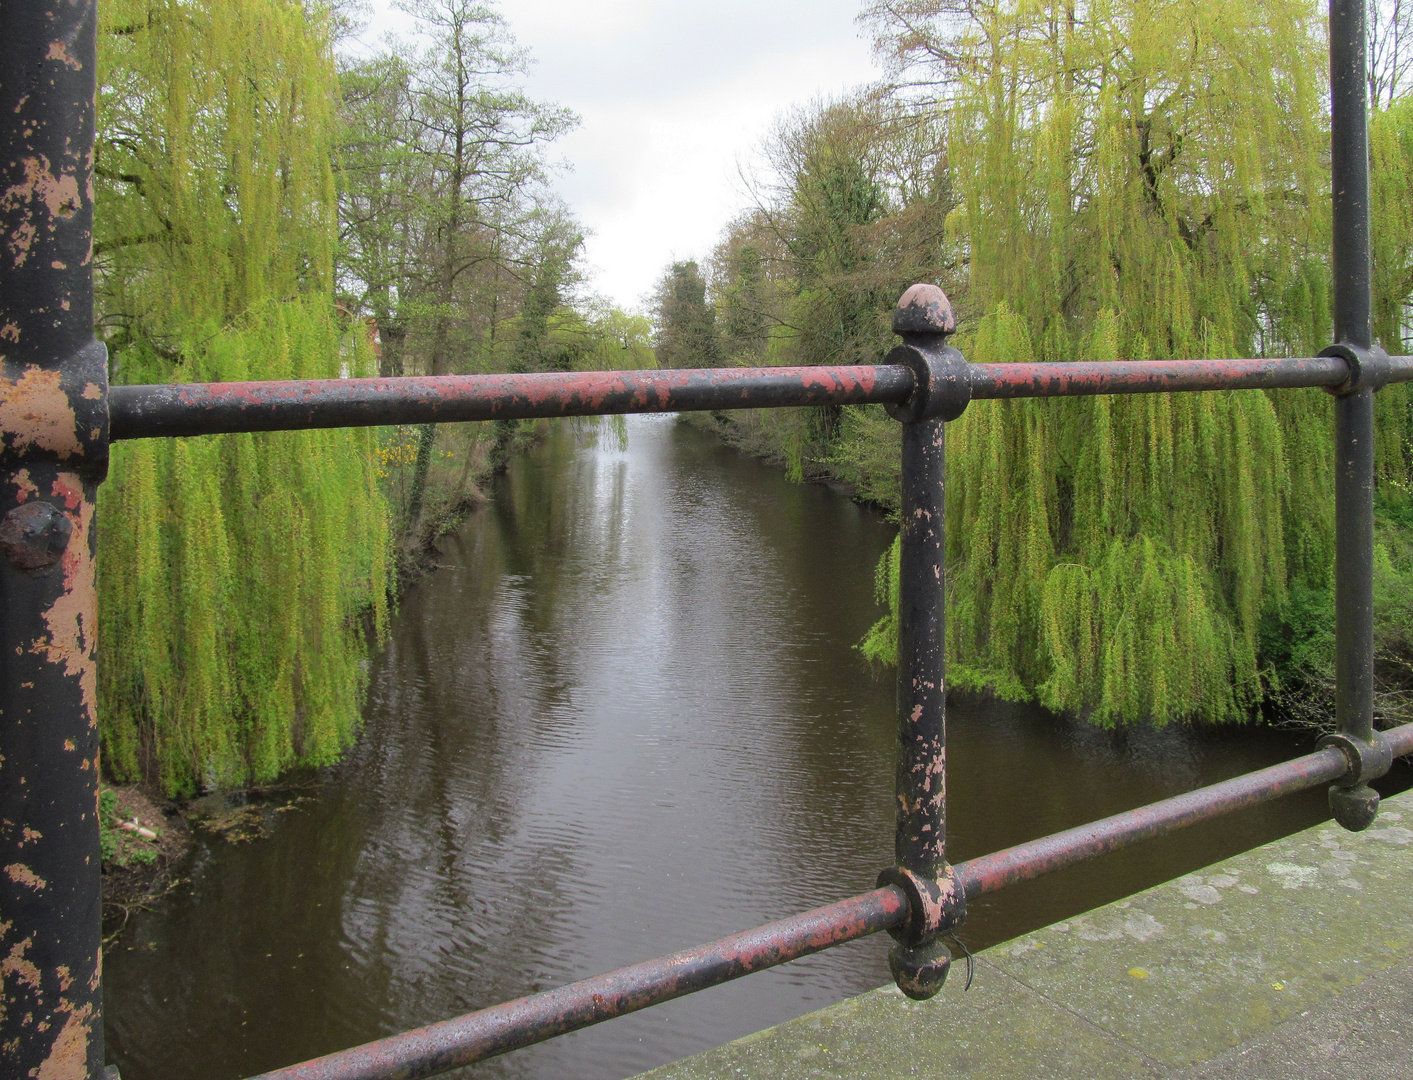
{"x": 1153, "y": 985}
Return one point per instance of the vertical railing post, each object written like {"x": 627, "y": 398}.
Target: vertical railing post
{"x": 1353, "y": 801}
{"x": 937, "y": 903}
{"x": 53, "y": 454}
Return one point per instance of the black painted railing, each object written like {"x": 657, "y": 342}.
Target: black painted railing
{"x": 58, "y": 417}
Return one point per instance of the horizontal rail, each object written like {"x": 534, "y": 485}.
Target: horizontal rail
{"x": 1156, "y": 376}
{"x": 528, "y": 1020}
{"x": 175, "y": 409}
{"x": 1033, "y": 859}
{"x": 501, "y": 1028}
{"x": 142, "y": 412}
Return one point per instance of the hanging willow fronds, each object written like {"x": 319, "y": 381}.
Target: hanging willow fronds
{"x": 1141, "y": 180}
{"x": 233, "y": 569}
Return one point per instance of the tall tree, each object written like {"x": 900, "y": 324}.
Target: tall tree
{"x": 233, "y": 569}
{"x": 378, "y": 181}
{"x": 741, "y": 302}
{"x": 551, "y": 275}
{"x": 1137, "y": 180}
{"x": 476, "y": 141}
{"x": 1390, "y": 30}
{"x": 686, "y": 323}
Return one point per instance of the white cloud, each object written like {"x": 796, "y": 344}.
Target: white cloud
{"x": 672, "y": 96}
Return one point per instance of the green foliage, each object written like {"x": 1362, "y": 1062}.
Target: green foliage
{"x": 742, "y": 304}
{"x": 866, "y": 454}
{"x": 233, "y": 576}
{"x": 1298, "y": 639}
{"x": 880, "y": 644}
{"x": 121, "y": 847}
{"x": 107, "y": 823}
{"x": 1113, "y": 556}
{"x": 1393, "y": 623}
{"x": 686, "y": 323}
{"x": 1129, "y": 190}
{"x": 1095, "y": 182}
{"x": 233, "y": 570}
{"x": 447, "y": 227}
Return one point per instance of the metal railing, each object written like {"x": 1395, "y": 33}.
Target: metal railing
{"x": 58, "y": 416}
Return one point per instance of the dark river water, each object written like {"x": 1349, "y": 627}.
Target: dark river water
{"x": 625, "y": 717}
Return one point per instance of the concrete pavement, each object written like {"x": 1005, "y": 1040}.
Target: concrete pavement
{"x": 1291, "y": 961}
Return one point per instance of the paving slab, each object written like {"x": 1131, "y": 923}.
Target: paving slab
{"x": 1360, "y": 1033}
{"x": 1292, "y": 960}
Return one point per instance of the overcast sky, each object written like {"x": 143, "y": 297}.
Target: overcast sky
{"x": 672, "y": 96}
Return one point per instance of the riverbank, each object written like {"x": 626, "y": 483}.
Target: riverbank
{"x": 139, "y": 870}
{"x": 143, "y": 841}
{"x": 465, "y": 459}
{"x": 750, "y": 435}
{"x": 1294, "y": 959}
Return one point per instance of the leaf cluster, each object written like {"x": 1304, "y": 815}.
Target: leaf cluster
{"x": 1092, "y": 181}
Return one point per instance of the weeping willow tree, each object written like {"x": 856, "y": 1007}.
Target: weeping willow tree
{"x": 1139, "y": 180}
{"x": 233, "y": 569}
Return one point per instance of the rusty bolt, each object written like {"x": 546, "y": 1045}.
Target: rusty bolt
{"x": 34, "y": 536}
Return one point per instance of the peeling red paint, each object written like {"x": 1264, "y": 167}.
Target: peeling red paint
{"x": 16, "y": 966}
{"x": 191, "y": 408}
{"x": 59, "y": 51}
{"x": 1159, "y": 376}
{"x": 208, "y": 408}
{"x": 25, "y": 488}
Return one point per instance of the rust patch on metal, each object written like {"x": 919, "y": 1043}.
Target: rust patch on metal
{"x": 59, "y": 193}
{"x": 68, "y": 1060}
{"x": 25, "y": 488}
{"x": 35, "y": 412}
{"x": 1008, "y": 380}
{"x": 73, "y": 619}
{"x": 59, "y": 51}
{"x": 924, "y": 309}
{"x": 23, "y": 875}
{"x": 17, "y": 967}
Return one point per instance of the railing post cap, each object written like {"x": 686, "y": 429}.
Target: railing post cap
{"x": 924, "y": 309}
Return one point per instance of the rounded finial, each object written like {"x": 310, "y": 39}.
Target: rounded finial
{"x": 1355, "y": 808}
{"x": 924, "y": 309}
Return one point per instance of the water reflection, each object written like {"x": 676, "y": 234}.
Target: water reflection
{"x": 626, "y": 717}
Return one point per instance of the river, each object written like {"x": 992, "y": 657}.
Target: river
{"x": 625, "y": 716}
